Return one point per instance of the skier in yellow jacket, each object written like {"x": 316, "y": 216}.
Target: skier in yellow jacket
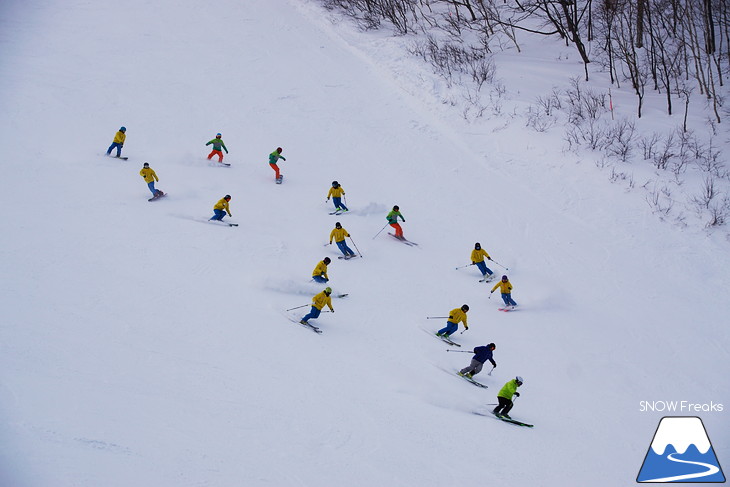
{"x": 505, "y": 287}
{"x": 221, "y": 208}
{"x": 477, "y": 258}
{"x": 319, "y": 301}
{"x": 338, "y": 234}
{"x": 336, "y": 192}
{"x": 150, "y": 177}
{"x": 455, "y": 316}
{"x": 319, "y": 274}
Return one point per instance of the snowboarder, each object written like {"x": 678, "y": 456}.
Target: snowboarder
{"x": 217, "y": 146}
{"x": 273, "y": 159}
{"x": 481, "y": 355}
{"x": 339, "y": 234}
{"x": 504, "y": 396}
{"x": 150, "y": 177}
{"x": 318, "y": 302}
{"x": 118, "y": 142}
{"x": 336, "y": 193}
{"x": 477, "y": 257}
{"x": 221, "y": 208}
{"x": 505, "y": 287}
{"x": 319, "y": 274}
{"x": 393, "y": 220}
{"x": 456, "y": 315}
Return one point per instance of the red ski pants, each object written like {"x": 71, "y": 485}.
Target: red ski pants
{"x": 398, "y": 230}
{"x": 214, "y": 152}
{"x": 275, "y": 167}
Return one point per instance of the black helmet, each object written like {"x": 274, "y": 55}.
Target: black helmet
{"x": 505, "y": 278}
{"x": 326, "y": 260}
{"x": 227, "y": 197}
{"x": 335, "y": 184}
{"x": 477, "y": 246}
{"x": 146, "y": 164}
{"x": 492, "y": 345}
{"x": 396, "y": 208}
{"x": 465, "y": 308}
{"x": 338, "y": 225}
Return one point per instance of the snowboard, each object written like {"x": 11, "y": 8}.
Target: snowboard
{"x": 159, "y": 195}
{"x": 280, "y": 179}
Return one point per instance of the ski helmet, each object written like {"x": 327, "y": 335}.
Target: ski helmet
{"x": 477, "y": 246}
{"x": 227, "y": 197}
{"x": 465, "y": 308}
{"x": 338, "y": 225}
{"x": 279, "y": 149}
{"x": 492, "y": 346}
{"x": 146, "y": 164}
{"x": 505, "y": 278}
{"x": 396, "y": 208}
{"x": 328, "y": 290}
{"x": 327, "y": 260}
{"x": 335, "y": 184}
{"x": 519, "y": 380}
{"x": 122, "y": 129}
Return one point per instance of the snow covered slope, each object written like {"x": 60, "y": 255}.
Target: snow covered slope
{"x": 142, "y": 345}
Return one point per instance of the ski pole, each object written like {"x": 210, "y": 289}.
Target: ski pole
{"x": 436, "y": 317}
{"x": 505, "y": 268}
{"x": 358, "y": 250}
{"x": 460, "y": 351}
{"x": 464, "y": 266}
{"x": 490, "y": 372}
{"x": 380, "y": 231}
{"x": 302, "y": 306}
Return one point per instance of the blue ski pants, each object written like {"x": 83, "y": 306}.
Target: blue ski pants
{"x": 338, "y": 203}
{"x": 312, "y": 315}
{"x": 115, "y": 145}
{"x": 448, "y": 329}
{"x": 319, "y": 279}
{"x": 344, "y": 248}
{"x": 483, "y": 267}
{"x": 508, "y": 301}
{"x": 151, "y": 185}
{"x": 219, "y": 214}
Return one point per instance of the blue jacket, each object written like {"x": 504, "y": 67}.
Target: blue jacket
{"x": 483, "y": 354}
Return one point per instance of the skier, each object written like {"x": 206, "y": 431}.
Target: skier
{"x": 504, "y": 396}
{"x": 150, "y": 177}
{"x": 118, "y": 142}
{"x": 477, "y": 257}
{"x": 336, "y": 193}
{"x": 339, "y": 234}
{"x": 393, "y": 220}
{"x": 481, "y": 355}
{"x": 319, "y": 274}
{"x": 318, "y": 302}
{"x": 217, "y": 146}
{"x": 221, "y": 208}
{"x": 505, "y": 287}
{"x": 273, "y": 159}
{"x": 456, "y": 315}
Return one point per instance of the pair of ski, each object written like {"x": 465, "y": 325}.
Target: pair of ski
{"x": 223, "y": 223}
{"x": 487, "y": 279}
{"x": 469, "y": 379}
{"x": 506, "y": 420}
{"x": 339, "y": 211}
{"x": 346, "y": 257}
{"x": 508, "y": 308}
{"x": 403, "y": 240}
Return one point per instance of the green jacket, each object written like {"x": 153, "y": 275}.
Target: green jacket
{"x": 217, "y": 144}
{"x": 393, "y": 217}
{"x": 508, "y": 390}
{"x": 275, "y": 156}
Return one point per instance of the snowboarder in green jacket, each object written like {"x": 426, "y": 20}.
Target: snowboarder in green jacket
{"x": 217, "y": 146}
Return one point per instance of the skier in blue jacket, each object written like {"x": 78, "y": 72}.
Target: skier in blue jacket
{"x": 481, "y": 355}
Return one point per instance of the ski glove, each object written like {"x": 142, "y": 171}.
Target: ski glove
{"x": 491, "y": 292}
{"x": 517, "y": 394}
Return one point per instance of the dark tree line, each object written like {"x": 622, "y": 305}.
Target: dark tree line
{"x": 675, "y": 47}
